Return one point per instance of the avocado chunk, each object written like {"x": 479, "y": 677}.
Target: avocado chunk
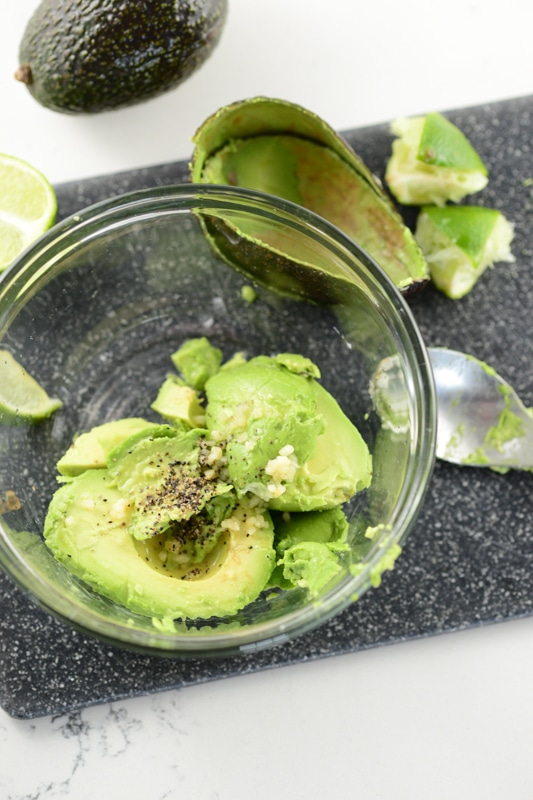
{"x": 324, "y": 527}
{"x": 340, "y": 466}
{"x": 83, "y": 56}
{"x": 197, "y": 360}
{"x": 87, "y": 529}
{"x": 168, "y": 480}
{"x": 310, "y": 547}
{"x": 179, "y": 403}
{"x": 90, "y": 450}
{"x": 288, "y": 441}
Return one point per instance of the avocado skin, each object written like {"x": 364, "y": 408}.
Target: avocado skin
{"x": 87, "y": 56}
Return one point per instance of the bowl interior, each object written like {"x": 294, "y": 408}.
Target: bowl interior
{"x": 94, "y": 310}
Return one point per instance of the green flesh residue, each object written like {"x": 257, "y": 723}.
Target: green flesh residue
{"x": 508, "y": 427}
{"x": 477, "y": 457}
{"x": 387, "y": 560}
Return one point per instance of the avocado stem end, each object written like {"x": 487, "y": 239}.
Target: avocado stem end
{"x": 23, "y": 74}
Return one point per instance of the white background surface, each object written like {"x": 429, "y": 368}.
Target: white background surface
{"x": 447, "y": 717}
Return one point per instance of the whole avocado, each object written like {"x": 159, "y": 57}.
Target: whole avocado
{"x": 87, "y": 56}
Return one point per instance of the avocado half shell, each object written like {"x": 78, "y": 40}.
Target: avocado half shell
{"x": 280, "y": 148}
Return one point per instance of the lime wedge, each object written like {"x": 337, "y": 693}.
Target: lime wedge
{"x": 28, "y": 207}
{"x": 432, "y": 161}
{"x": 22, "y": 399}
{"x": 460, "y": 242}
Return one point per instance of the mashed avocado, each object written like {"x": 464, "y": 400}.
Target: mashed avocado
{"x": 239, "y": 489}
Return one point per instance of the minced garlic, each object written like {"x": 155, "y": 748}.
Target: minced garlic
{"x": 284, "y": 466}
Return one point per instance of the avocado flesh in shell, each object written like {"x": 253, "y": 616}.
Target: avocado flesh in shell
{"x": 80, "y": 56}
{"x": 87, "y": 532}
{"x": 280, "y": 148}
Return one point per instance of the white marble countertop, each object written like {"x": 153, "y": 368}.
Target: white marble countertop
{"x": 449, "y": 716}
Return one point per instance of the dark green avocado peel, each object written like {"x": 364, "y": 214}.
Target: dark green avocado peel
{"x": 279, "y": 148}
{"x": 82, "y": 56}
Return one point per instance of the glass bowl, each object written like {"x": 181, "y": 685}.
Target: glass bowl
{"x": 93, "y": 311}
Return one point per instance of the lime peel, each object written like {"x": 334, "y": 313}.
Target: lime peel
{"x": 432, "y": 161}
{"x": 461, "y": 242}
{"x": 22, "y": 398}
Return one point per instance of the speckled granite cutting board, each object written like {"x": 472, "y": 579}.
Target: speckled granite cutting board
{"x": 469, "y": 558}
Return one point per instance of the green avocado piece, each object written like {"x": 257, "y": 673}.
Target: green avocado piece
{"x": 258, "y": 408}
{"x": 340, "y": 466}
{"x": 179, "y": 403}
{"x": 298, "y": 364}
{"x": 310, "y": 548}
{"x": 178, "y": 522}
{"x": 167, "y": 479}
{"x": 235, "y": 361}
{"x": 82, "y": 56}
{"x": 278, "y": 147}
{"x": 90, "y": 450}
{"x": 310, "y": 565}
{"x": 288, "y": 441}
{"x": 197, "y": 360}
{"x": 326, "y": 527}
{"x": 87, "y": 528}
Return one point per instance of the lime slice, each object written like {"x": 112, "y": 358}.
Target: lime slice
{"x": 22, "y": 399}
{"x": 432, "y": 161}
{"x": 28, "y": 207}
{"x": 460, "y": 242}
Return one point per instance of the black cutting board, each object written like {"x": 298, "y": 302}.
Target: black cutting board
{"x": 469, "y": 558}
